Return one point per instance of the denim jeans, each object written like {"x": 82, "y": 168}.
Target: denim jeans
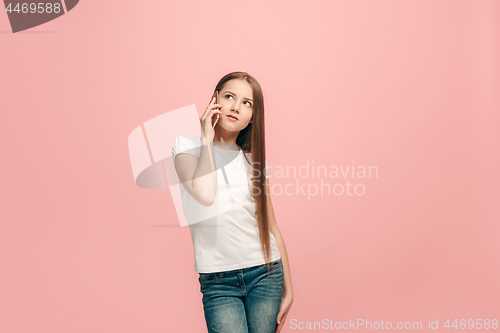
{"x": 242, "y": 300}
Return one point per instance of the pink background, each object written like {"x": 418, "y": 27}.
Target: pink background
{"x": 408, "y": 86}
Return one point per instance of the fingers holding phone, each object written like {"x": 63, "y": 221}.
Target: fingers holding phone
{"x": 207, "y": 121}
{"x": 216, "y": 102}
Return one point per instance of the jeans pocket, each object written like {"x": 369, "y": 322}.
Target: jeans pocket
{"x": 207, "y": 277}
{"x": 277, "y": 263}
{"x": 277, "y": 268}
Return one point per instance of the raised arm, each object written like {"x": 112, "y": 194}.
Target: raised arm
{"x": 198, "y": 175}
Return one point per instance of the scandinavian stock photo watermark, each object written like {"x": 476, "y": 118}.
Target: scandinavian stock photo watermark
{"x": 238, "y": 178}
{"x": 431, "y": 324}
{"x": 312, "y": 180}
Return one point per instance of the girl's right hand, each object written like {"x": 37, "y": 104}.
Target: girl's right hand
{"x": 206, "y": 120}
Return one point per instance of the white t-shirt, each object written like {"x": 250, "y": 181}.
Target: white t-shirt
{"x": 230, "y": 240}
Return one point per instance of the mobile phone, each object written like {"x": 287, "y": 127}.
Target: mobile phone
{"x": 216, "y": 102}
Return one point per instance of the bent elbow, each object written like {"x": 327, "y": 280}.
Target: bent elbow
{"x": 206, "y": 200}
{"x": 203, "y": 198}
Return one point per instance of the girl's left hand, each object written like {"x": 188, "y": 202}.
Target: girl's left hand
{"x": 286, "y": 303}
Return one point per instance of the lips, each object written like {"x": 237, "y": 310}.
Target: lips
{"x": 232, "y": 117}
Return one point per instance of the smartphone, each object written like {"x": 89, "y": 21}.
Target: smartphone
{"x": 216, "y": 102}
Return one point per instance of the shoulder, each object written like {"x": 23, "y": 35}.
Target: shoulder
{"x": 183, "y": 144}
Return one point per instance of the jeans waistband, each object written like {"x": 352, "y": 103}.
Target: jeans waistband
{"x": 240, "y": 270}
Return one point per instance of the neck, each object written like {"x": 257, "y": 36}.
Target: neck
{"x": 226, "y": 139}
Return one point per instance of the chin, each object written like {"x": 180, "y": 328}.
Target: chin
{"x": 230, "y": 126}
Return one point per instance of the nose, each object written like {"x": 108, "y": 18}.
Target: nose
{"x": 235, "y": 107}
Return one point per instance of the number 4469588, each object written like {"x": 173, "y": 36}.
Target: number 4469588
{"x": 470, "y": 324}
{"x": 33, "y": 8}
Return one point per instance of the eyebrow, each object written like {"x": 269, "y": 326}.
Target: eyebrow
{"x": 237, "y": 95}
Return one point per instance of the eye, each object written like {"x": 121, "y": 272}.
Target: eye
{"x": 228, "y": 95}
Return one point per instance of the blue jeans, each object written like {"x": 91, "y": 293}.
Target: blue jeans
{"x": 242, "y": 300}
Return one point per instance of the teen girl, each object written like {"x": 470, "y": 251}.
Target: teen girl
{"x": 240, "y": 254}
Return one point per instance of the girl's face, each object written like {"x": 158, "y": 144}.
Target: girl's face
{"x": 236, "y": 98}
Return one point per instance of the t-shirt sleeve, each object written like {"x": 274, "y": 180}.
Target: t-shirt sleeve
{"x": 183, "y": 145}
